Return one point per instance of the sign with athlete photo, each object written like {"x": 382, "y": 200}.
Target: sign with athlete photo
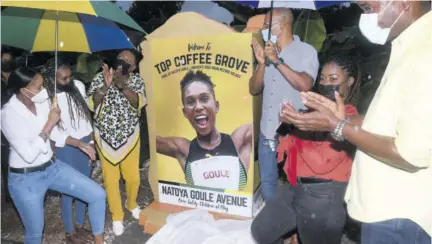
{"x": 203, "y": 123}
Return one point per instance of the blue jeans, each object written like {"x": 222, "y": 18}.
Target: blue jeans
{"x": 267, "y": 161}
{"x": 28, "y": 192}
{"x": 394, "y": 231}
{"x": 78, "y": 160}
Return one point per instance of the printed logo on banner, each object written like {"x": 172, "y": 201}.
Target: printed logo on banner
{"x": 203, "y": 122}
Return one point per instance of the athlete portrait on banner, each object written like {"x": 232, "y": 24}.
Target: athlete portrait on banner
{"x": 212, "y": 159}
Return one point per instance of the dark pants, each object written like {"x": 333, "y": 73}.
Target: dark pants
{"x": 317, "y": 211}
{"x": 5, "y": 166}
{"x": 394, "y": 231}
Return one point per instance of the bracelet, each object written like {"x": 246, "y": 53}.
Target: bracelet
{"x": 102, "y": 93}
{"x": 337, "y": 134}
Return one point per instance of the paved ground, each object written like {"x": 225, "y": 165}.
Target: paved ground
{"x": 12, "y": 231}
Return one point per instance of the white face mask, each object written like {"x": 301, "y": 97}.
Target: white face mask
{"x": 370, "y": 29}
{"x": 41, "y": 97}
{"x": 273, "y": 38}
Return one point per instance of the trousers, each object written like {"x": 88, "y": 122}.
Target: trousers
{"x": 129, "y": 169}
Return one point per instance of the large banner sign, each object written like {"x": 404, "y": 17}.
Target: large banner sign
{"x": 203, "y": 123}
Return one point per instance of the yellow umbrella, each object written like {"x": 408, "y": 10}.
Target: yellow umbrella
{"x": 103, "y": 9}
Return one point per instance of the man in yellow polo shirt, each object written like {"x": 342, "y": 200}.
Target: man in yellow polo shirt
{"x": 390, "y": 190}
{"x": 117, "y": 95}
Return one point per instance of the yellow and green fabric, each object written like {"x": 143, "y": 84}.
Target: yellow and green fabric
{"x": 83, "y": 26}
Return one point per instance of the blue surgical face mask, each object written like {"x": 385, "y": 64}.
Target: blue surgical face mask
{"x": 273, "y": 38}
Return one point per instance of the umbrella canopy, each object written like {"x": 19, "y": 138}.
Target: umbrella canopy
{"x": 100, "y": 8}
{"x": 34, "y": 30}
{"x": 303, "y": 4}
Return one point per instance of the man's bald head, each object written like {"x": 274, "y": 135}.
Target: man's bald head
{"x": 283, "y": 15}
{"x": 282, "y": 22}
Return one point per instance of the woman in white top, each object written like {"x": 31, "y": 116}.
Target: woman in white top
{"x": 77, "y": 149}
{"x": 29, "y": 123}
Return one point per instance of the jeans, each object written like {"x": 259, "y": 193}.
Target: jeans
{"x": 78, "y": 160}
{"x": 394, "y": 231}
{"x": 267, "y": 160}
{"x": 317, "y": 211}
{"x": 28, "y": 192}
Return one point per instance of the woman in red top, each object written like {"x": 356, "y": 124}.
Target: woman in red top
{"x": 317, "y": 167}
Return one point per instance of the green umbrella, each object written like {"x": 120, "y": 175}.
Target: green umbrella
{"x": 98, "y": 8}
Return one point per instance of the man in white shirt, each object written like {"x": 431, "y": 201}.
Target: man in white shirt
{"x": 390, "y": 189}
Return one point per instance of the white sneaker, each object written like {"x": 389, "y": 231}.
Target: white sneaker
{"x": 136, "y": 212}
{"x": 118, "y": 228}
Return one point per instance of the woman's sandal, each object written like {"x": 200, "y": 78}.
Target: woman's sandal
{"x": 72, "y": 238}
{"x": 83, "y": 233}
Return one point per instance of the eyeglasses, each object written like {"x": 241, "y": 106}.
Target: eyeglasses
{"x": 267, "y": 25}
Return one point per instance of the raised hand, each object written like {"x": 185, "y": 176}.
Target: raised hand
{"x": 119, "y": 79}
{"x": 258, "y": 51}
{"x": 338, "y": 107}
{"x": 270, "y": 52}
{"x": 320, "y": 119}
{"x": 108, "y": 74}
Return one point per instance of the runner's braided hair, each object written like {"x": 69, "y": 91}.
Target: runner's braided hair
{"x": 74, "y": 95}
{"x": 197, "y": 76}
{"x": 351, "y": 67}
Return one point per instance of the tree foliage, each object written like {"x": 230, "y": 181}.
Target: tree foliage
{"x": 309, "y": 26}
{"x": 152, "y": 14}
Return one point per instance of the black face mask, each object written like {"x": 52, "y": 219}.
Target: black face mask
{"x": 7, "y": 66}
{"x": 65, "y": 88}
{"x": 328, "y": 91}
{"x": 124, "y": 66}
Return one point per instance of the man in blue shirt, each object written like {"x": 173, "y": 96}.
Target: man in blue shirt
{"x": 294, "y": 67}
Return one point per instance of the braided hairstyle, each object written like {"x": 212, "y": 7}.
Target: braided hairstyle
{"x": 197, "y": 76}
{"x": 74, "y": 95}
{"x": 351, "y": 67}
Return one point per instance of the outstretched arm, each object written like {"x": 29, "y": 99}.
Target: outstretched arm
{"x": 242, "y": 138}
{"x": 175, "y": 147}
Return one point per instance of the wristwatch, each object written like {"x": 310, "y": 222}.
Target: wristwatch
{"x": 280, "y": 61}
{"x": 43, "y": 134}
{"x": 337, "y": 134}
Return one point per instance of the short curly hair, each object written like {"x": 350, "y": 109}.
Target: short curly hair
{"x": 197, "y": 76}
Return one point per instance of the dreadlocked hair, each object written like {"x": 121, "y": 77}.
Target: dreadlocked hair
{"x": 351, "y": 67}
{"x": 197, "y": 76}
{"x": 74, "y": 95}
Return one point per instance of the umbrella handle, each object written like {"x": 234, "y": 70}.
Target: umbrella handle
{"x": 55, "y": 102}
{"x": 55, "y": 57}
{"x": 267, "y": 60}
